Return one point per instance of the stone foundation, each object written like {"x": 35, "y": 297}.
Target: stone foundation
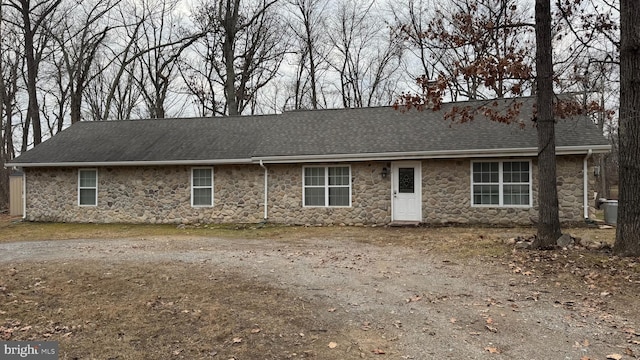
{"x": 162, "y": 194}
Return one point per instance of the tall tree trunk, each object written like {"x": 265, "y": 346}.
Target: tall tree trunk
{"x": 628, "y": 231}
{"x": 32, "y": 59}
{"x": 312, "y": 63}
{"x": 549, "y": 220}
{"x": 33, "y": 109}
{"x": 4, "y": 178}
{"x": 228, "y": 51}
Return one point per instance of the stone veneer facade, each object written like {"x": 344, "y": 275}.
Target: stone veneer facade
{"x": 161, "y": 194}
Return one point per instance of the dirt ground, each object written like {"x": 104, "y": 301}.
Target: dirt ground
{"x": 324, "y": 293}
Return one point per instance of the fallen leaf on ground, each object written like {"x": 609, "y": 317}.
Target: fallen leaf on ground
{"x": 491, "y": 328}
{"x": 255, "y": 331}
{"x": 237, "y": 340}
{"x": 378, "y": 351}
{"x": 614, "y": 356}
{"x": 492, "y": 350}
{"x": 453, "y": 320}
{"x": 332, "y": 345}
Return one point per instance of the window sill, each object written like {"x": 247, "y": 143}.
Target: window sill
{"x": 502, "y": 206}
{"x": 326, "y": 207}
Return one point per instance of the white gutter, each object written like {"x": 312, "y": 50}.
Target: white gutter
{"x": 439, "y": 154}
{"x": 266, "y": 190}
{"x": 586, "y": 183}
{"x": 387, "y": 156}
{"x": 138, "y": 163}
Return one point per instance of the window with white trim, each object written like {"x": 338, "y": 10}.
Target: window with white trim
{"x": 327, "y": 186}
{"x": 87, "y": 187}
{"x": 501, "y": 183}
{"x": 202, "y": 187}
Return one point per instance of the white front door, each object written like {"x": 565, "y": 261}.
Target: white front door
{"x": 406, "y": 189}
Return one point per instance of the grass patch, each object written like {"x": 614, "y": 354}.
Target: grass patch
{"x": 159, "y": 311}
{"x": 16, "y": 230}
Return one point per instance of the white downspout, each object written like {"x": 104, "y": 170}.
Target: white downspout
{"x": 586, "y": 183}
{"x": 266, "y": 190}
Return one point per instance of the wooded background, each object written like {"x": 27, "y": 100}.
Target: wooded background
{"x": 64, "y": 61}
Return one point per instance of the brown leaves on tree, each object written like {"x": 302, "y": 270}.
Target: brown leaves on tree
{"x": 571, "y": 18}
{"x": 491, "y": 50}
{"x": 493, "y": 60}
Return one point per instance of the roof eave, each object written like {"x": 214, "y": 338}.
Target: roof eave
{"x": 439, "y": 154}
{"x": 389, "y": 156}
{"x": 133, "y": 163}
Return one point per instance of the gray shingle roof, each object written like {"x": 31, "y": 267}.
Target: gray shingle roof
{"x": 340, "y": 132}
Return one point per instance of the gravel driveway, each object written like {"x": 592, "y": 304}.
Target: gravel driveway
{"x": 427, "y": 306}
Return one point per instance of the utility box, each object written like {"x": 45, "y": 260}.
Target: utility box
{"x": 610, "y": 211}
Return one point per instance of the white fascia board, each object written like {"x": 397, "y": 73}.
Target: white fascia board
{"x": 444, "y": 154}
{"x": 414, "y": 155}
{"x": 136, "y": 163}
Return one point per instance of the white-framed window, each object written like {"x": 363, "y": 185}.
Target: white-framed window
{"x": 501, "y": 183}
{"x": 326, "y": 186}
{"x": 202, "y": 186}
{"x": 87, "y": 187}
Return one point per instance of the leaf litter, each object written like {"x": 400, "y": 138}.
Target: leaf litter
{"x": 589, "y": 288}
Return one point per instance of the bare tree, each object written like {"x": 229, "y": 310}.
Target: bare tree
{"x": 11, "y": 65}
{"x": 590, "y": 64}
{"x": 412, "y": 19}
{"x": 54, "y": 89}
{"x": 365, "y": 55}
{"x": 32, "y": 20}
{"x": 116, "y": 92}
{"x": 307, "y": 24}
{"x": 199, "y": 78}
{"x": 5, "y": 124}
{"x": 79, "y": 39}
{"x": 156, "y": 71}
{"x": 246, "y": 47}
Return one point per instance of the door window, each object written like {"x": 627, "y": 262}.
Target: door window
{"x": 406, "y": 178}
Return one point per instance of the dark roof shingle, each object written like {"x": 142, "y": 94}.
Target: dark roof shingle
{"x": 297, "y": 133}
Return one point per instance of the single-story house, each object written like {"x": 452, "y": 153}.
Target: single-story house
{"x": 344, "y": 166}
